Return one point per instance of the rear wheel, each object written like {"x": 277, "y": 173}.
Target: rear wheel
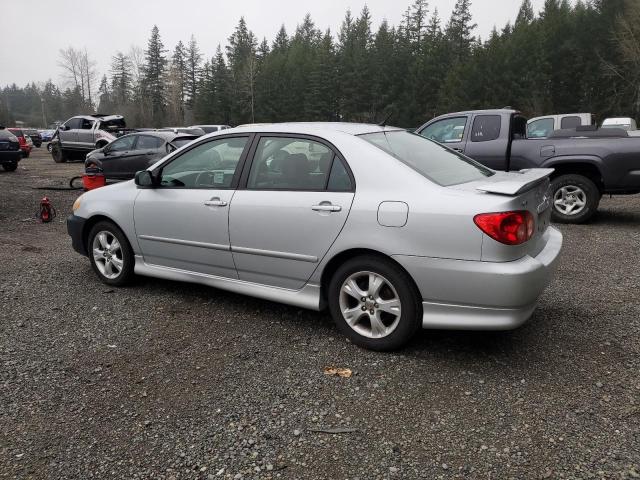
{"x": 10, "y": 167}
{"x": 575, "y": 198}
{"x": 58, "y": 155}
{"x": 374, "y": 303}
{"x": 110, "y": 254}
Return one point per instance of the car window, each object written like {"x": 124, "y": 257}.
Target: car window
{"x": 123, "y": 144}
{"x": 485, "y": 128}
{"x": 541, "y": 128}
{"x": 146, "y": 142}
{"x": 290, "y": 164}
{"x": 17, "y": 132}
{"x": 339, "y": 179}
{"x": 449, "y": 130}
{"x": 86, "y": 124}
{"x": 435, "y": 162}
{"x": 73, "y": 123}
{"x": 570, "y": 122}
{"x": 209, "y": 165}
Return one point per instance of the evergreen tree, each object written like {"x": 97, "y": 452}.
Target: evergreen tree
{"x": 193, "y": 71}
{"x": 121, "y": 79}
{"x": 154, "y": 72}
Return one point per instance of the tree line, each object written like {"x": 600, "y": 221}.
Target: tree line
{"x": 581, "y": 57}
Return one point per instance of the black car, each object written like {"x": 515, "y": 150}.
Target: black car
{"x": 10, "y": 153}
{"x": 125, "y": 156}
{"x": 35, "y": 136}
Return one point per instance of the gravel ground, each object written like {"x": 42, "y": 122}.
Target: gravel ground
{"x": 167, "y": 380}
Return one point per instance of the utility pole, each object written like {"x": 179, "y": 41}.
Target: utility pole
{"x": 44, "y": 116}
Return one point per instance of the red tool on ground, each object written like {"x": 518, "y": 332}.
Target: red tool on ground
{"x": 93, "y": 178}
{"x": 47, "y": 211}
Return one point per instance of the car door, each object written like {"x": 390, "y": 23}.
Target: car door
{"x": 85, "y": 134}
{"x": 69, "y": 134}
{"x": 451, "y": 132}
{"x": 183, "y": 223}
{"x": 488, "y": 140}
{"x": 147, "y": 151}
{"x": 294, "y": 200}
{"x": 116, "y": 156}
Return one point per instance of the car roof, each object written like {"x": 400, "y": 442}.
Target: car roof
{"x": 105, "y": 118}
{"x": 313, "y": 127}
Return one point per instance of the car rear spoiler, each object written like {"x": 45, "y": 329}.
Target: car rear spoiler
{"x": 515, "y": 186}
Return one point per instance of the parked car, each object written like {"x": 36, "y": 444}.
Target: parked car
{"x": 24, "y": 140}
{"x": 46, "y": 135}
{"x": 587, "y": 162}
{"x": 391, "y": 231}
{"x": 34, "y": 135}
{"x": 186, "y": 130}
{"x": 211, "y": 128}
{"x": 625, "y": 123}
{"x": 10, "y": 153}
{"x": 82, "y": 134}
{"x": 542, "y": 127}
{"x": 123, "y": 157}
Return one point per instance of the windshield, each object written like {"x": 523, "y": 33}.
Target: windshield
{"x": 439, "y": 164}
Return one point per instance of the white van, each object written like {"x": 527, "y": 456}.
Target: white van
{"x": 541, "y": 127}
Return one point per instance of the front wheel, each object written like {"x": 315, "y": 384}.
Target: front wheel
{"x": 374, "y": 303}
{"x": 10, "y": 167}
{"x": 58, "y": 155}
{"x": 575, "y": 198}
{"x": 110, "y": 254}
{"x": 49, "y": 147}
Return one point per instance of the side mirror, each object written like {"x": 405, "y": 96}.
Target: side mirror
{"x": 63, "y": 128}
{"x": 144, "y": 179}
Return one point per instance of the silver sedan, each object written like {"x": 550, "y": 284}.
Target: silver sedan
{"x": 388, "y": 230}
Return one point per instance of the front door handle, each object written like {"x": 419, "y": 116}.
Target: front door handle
{"x": 326, "y": 207}
{"x": 459, "y": 150}
{"x": 215, "y": 202}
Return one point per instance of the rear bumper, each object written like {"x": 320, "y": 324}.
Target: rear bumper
{"x": 10, "y": 156}
{"x": 471, "y": 295}
{"x": 75, "y": 228}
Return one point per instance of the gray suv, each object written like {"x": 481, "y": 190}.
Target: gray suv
{"x": 80, "y": 135}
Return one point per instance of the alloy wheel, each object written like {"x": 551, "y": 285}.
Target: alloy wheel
{"x": 570, "y": 200}
{"x": 370, "y": 304}
{"x": 107, "y": 254}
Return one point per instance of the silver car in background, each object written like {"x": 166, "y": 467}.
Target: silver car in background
{"x": 387, "y": 229}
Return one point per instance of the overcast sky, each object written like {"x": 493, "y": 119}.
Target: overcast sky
{"x": 39, "y": 28}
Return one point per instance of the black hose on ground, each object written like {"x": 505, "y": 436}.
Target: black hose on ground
{"x": 70, "y": 187}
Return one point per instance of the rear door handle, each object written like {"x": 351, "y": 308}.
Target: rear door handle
{"x": 326, "y": 207}
{"x": 215, "y": 202}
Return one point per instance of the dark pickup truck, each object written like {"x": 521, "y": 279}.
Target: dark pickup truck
{"x": 587, "y": 162}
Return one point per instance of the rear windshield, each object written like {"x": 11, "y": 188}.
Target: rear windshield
{"x": 439, "y": 164}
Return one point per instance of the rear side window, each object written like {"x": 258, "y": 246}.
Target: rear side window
{"x": 146, "y": 142}
{"x": 339, "y": 179}
{"x": 570, "y": 122}
{"x": 485, "y": 128}
{"x": 437, "y": 163}
{"x": 282, "y": 163}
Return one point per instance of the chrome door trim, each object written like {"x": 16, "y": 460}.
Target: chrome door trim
{"x": 189, "y": 243}
{"x": 307, "y": 297}
{"x": 275, "y": 254}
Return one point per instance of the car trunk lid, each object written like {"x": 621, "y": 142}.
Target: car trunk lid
{"x": 512, "y": 191}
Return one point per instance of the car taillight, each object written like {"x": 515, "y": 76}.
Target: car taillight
{"x": 510, "y": 228}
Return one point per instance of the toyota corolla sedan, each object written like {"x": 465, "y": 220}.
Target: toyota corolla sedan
{"x": 388, "y": 230}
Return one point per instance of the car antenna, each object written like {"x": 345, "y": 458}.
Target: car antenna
{"x": 383, "y": 123}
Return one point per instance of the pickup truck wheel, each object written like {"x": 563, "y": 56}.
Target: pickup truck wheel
{"x": 575, "y": 199}
{"x": 49, "y": 147}
{"x": 59, "y": 156}
{"x": 10, "y": 167}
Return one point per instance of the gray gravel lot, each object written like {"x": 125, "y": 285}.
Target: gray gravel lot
{"x": 169, "y": 380}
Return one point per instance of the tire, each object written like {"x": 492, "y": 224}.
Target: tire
{"x": 575, "y": 199}
{"x": 104, "y": 234}
{"x": 49, "y": 147}
{"x": 58, "y": 155}
{"x": 394, "y": 285}
{"x": 10, "y": 167}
